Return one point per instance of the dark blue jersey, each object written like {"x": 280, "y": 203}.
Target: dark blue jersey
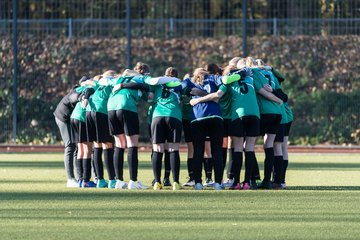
{"x": 208, "y": 109}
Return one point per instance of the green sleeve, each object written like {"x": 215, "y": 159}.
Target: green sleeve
{"x": 231, "y": 79}
{"x": 223, "y": 88}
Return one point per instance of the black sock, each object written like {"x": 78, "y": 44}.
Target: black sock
{"x": 109, "y": 162}
{"x": 87, "y": 169}
{"x": 167, "y": 163}
{"x": 256, "y": 171}
{"x": 268, "y": 163}
{"x": 133, "y": 162}
{"x": 99, "y": 168}
{"x": 224, "y": 155}
{"x": 79, "y": 167}
{"x": 285, "y": 164}
{"x": 278, "y": 165}
{"x": 230, "y": 169}
{"x": 175, "y": 165}
{"x": 119, "y": 163}
{"x": 156, "y": 165}
{"x": 208, "y": 166}
{"x": 190, "y": 168}
{"x": 250, "y": 161}
{"x": 237, "y": 164}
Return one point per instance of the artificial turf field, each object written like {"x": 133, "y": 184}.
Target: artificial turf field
{"x": 322, "y": 202}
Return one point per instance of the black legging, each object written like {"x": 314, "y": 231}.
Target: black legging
{"x": 212, "y": 127}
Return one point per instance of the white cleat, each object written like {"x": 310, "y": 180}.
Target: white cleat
{"x": 136, "y": 185}
{"x": 228, "y": 183}
{"x": 72, "y": 183}
{"x": 121, "y": 185}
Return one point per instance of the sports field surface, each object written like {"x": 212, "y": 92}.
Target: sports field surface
{"x": 322, "y": 202}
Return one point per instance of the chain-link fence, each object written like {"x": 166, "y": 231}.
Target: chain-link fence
{"x": 315, "y": 42}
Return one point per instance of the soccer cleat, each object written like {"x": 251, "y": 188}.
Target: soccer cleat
{"x": 72, "y": 183}
{"x": 102, "y": 183}
{"x": 218, "y": 186}
{"x": 246, "y": 186}
{"x": 283, "y": 185}
{"x": 236, "y": 186}
{"x": 89, "y": 184}
{"x": 121, "y": 184}
{"x": 189, "y": 183}
{"x": 153, "y": 182}
{"x": 198, "y": 186}
{"x": 276, "y": 186}
{"x": 80, "y": 182}
{"x": 136, "y": 185}
{"x": 176, "y": 186}
{"x": 166, "y": 182}
{"x": 209, "y": 183}
{"x": 228, "y": 183}
{"x": 157, "y": 186}
{"x": 112, "y": 183}
{"x": 265, "y": 185}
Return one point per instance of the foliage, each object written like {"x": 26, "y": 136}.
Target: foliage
{"x": 322, "y": 77}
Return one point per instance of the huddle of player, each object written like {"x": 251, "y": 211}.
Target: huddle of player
{"x": 219, "y": 111}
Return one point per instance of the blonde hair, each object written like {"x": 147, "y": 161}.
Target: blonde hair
{"x": 199, "y": 75}
{"x": 109, "y": 73}
{"x": 234, "y": 61}
{"x": 259, "y": 63}
{"x": 241, "y": 63}
{"x": 97, "y": 77}
{"x": 171, "y": 72}
{"x": 228, "y": 69}
{"x": 250, "y": 62}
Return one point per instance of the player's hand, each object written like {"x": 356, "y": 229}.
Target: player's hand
{"x": 193, "y": 102}
{"x": 268, "y": 88}
{"x": 84, "y": 103}
{"x": 117, "y": 87}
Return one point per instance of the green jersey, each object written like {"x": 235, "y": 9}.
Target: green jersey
{"x": 284, "y": 116}
{"x": 266, "y": 106}
{"x": 187, "y": 110}
{"x": 98, "y": 101}
{"x": 225, "y": 104}
{"x": 289, "y": 113}
{"x": 125, "y": 99}
{"x": 166, "y": 102}
{"x": 79, "y": 113}
{"x": 244, "y": 102}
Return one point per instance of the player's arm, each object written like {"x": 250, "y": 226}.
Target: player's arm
{"x": 270, "y": 96}
{"x": 210, "y": 97}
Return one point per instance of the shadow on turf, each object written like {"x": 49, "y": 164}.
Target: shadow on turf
{"x": 325, "y": 188}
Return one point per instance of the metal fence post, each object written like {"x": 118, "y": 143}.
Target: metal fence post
{"x": 128, "y": 32}
{"x": 70, "y": 27}
{"x": 274, "y": 26}
{"x": 14, "y": 87}
{"x": 244, "y": 27}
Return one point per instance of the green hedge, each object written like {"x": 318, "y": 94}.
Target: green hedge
{"x": 322, "y": 78}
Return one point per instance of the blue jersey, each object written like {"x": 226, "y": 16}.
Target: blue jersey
{"x": 208, "y": 109}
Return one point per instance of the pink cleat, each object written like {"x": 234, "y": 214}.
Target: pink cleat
{"x": 246, "y": 186}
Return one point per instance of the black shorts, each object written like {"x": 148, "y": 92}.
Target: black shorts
{"x": 269, "y": 123}
{"x": 123, "y": 121}
{"x": 287, "y": 129}
{"x": 97, "y": 127}
{"x": 166, "y": 129}
{"x": 246, "y": 126}
{"x": 78, "y": 131}
{"x": 280, "y": 133}
{"x": 227, "y": 125}
{"x": 187, "y": 130}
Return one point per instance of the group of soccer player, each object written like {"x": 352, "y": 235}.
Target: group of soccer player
{"x": 221, "y": 111}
